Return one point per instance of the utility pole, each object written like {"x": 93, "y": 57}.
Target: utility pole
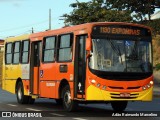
{"x": 32, "y": 30}
{"x": 49, "y": 19}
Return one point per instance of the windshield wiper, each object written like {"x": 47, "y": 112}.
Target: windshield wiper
{"x": 134, "y": 54}
{"x": 116, "y": 50}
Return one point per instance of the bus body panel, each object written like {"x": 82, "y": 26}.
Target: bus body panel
{"x": 13, "y": 72}
{"x": 102, "y": 95}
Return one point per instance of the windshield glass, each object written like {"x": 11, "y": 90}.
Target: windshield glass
{"x": 121, "y": 55}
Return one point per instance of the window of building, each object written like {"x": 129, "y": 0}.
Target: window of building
{"x": 25, "y": 51}
{"x": 65, "y": 47}
{"x": 8, "y": 55}
{"x": 16, "y": 52}
{"x": 49, "y": 49}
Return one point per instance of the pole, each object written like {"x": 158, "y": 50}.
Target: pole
{"x": 32, "y": 30}
{"x": 49, "y": 19}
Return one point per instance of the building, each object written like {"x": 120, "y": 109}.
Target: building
{"x": 155, "y": 16}
{"x": 1, "y": 45}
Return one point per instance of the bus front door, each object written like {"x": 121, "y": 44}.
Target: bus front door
{"x": 80, "y": 66}
{"x": 35, "y": 64}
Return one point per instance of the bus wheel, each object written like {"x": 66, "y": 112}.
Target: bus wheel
{"x": 119, "y": 105}
{"x": 68, "y": 104}
{"x": 21, "y": 98}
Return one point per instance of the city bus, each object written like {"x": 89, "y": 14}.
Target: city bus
{"x": 108, "y": 62}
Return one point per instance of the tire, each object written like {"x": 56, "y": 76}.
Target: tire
{"x": 21, "y": 98}
{"x": 68, "y": 104}
{"x": 119, "y": 105}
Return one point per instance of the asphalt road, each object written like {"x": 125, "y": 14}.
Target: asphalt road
{"x": 48, "y": 109}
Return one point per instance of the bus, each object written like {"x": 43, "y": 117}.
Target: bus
{"x": 108, "y": 62}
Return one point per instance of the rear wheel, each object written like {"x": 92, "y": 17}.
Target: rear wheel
{"x": 68, "y": 103}
{"x": 21, "y": 98}
{"x": 119, "y": 105}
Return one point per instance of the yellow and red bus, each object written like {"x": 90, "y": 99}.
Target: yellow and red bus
{"x": 93, "y": 62}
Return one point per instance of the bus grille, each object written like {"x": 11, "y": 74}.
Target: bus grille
{"x": 130, "y": 88}
{"x": 117, "y": 96}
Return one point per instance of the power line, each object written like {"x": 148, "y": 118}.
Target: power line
{"x": 11, "y": 29}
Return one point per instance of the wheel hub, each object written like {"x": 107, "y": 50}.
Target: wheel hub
{"x": 67, "y": 98}
{"x": 19, "y": 93}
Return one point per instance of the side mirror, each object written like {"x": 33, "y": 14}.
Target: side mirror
{"x": 88, "y": 44}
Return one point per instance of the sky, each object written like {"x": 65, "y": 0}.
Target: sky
{"x": 17, "y": 17}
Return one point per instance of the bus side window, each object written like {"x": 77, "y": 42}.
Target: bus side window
{"x": 8, "y": 53}
{"x": 16, "y": 52}
{"x": 49, "y": 49}
{"x": 65, "y": 47}
{"x": 25, "y": 51}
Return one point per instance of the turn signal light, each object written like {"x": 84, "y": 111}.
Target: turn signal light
{"x": 104, "y": 87}
{"x": 98, "y": 85}
{"x": 145, "y": 87}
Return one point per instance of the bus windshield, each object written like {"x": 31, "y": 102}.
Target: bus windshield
{"x": 113, "y": 55}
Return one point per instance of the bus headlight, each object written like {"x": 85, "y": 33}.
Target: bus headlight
{"x": 104, "y": 87}
{"x": 93, "y": 81}
{"x": 98, "y": 85}
{"x": 145, "y": 87}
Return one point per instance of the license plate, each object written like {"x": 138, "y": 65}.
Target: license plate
{"x": 125, "y": 95}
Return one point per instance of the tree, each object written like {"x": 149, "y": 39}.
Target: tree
{"x": 140, "y": 7}
{"x": 95, "y": 11}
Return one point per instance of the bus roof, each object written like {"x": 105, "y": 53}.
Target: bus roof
{"x": 17, "y": 38}
{"x": 79, "y": 29}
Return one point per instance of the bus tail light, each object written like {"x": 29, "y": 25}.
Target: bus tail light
{"x": 145, "y": 87}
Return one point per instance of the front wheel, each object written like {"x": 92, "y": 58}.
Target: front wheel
{"x": 68, "y": 104}
{"x": 119, "y": 105}
{"x": 21, "y": 98}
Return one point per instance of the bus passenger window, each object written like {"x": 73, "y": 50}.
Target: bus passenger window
{"x": 49, "y": 49}
{"x": 65, "y": 48}
{"x": 25, "y": 51}
{"x": 8, "y": 55}
{"x": 16, "y": 52}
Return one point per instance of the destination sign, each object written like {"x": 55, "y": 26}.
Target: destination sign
{"x": 120, "y": 30}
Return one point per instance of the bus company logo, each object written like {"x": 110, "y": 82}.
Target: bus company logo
{"x": 6, "y": 114}
{"x": 41, "y": 73}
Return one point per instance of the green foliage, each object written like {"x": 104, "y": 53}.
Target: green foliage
{"x": 154, "y": 24}
{"x": 156, "y": 50}
{"x": 141, "y": 8}
{"x": 111, "y": 11}
{"x": 95, "y": 11}
{"x": 157, "y": 67}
